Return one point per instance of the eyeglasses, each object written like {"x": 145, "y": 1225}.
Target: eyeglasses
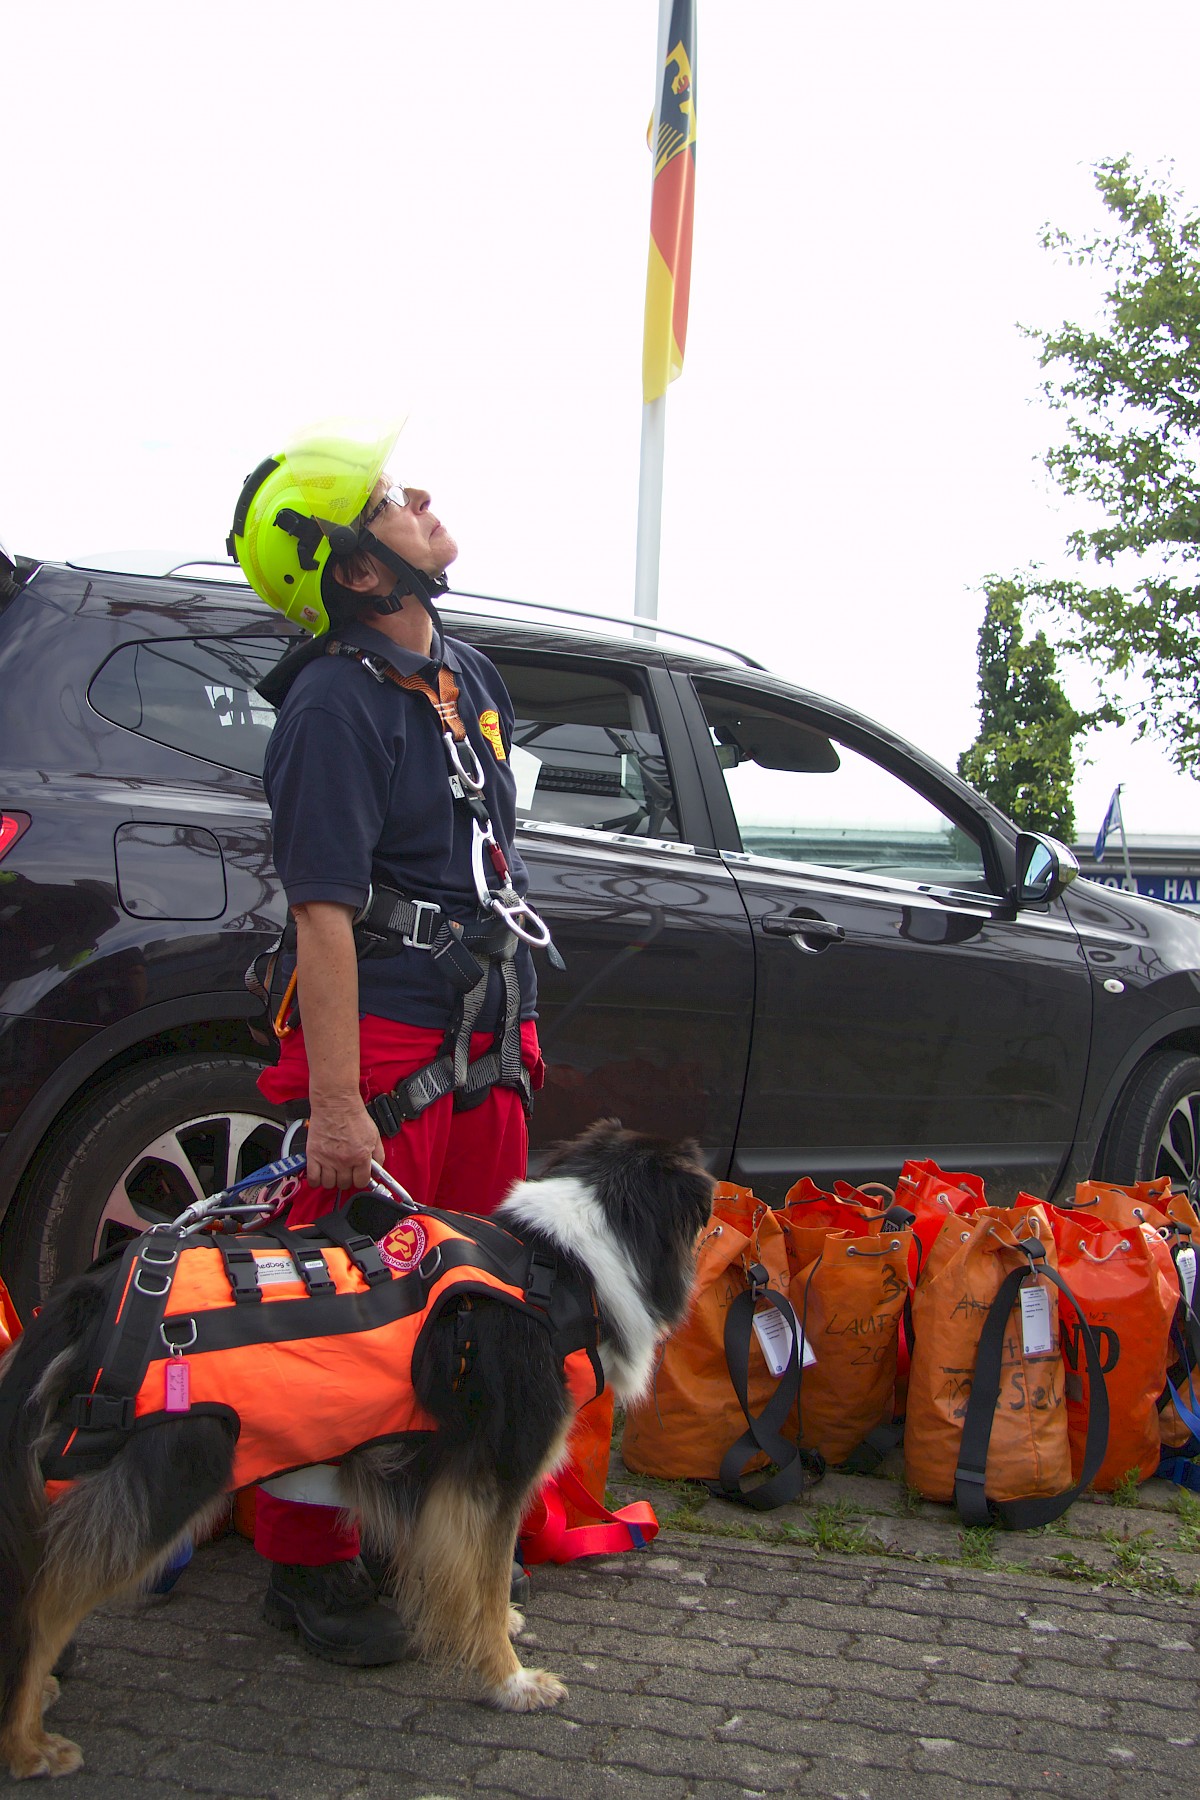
{"x": 395, "y": 496}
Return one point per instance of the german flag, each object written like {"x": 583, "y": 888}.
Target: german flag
{"x": 668, "y": 278}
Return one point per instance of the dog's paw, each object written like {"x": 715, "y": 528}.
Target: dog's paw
{"x": 49, "y": 1755}
{"x": 50, "y": 1691}
{"x": 529, "y": 1690}
{"x": 516, "y": 1621}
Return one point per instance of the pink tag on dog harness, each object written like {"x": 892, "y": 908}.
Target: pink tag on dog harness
{"x": 179, "y": 1385}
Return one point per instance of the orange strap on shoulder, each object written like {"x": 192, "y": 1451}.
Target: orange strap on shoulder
{"x": 443, "y": 699}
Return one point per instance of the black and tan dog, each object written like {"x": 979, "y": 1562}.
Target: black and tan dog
{"x": 620, "y": 1212}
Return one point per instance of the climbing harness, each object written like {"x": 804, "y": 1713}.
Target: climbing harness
{"x": 462, "y": 951}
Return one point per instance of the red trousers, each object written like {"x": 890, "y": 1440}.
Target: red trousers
{"x": 464, "y": 1161}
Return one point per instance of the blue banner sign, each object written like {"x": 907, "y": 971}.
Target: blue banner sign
{"x": 1181, "y": 890}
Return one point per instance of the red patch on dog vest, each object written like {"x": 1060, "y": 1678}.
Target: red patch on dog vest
{"x": 403, "y": 1247}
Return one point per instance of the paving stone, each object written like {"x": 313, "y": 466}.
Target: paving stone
{"x": 836, "y": 1779}
{"x": 521, "y": 1773}
{"x": 785, "y": 1673}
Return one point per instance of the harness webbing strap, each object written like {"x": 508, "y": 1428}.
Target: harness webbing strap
{"x": 443, "y": 698}
{"x": 126, "y": 1336}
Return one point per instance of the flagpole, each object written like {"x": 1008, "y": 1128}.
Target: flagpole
{"x": 1124, "y": 840}
{"x": 654, "y": 412}
{"x": 649, "y": 521}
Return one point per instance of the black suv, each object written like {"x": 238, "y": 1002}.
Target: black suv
{"x": 786, "y": 931}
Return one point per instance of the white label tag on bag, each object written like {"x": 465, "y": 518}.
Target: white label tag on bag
{"x": 275, "y": 1268}
{"x": 774, "y": 1336}
{"x": 1035, "y": 1321}
{"x": 1185, "y": 1262}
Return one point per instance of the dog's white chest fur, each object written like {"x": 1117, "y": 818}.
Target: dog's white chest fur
{"x": 565, "y": 1210}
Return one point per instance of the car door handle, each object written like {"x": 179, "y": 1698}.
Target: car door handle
{"x": 781, "y": 925}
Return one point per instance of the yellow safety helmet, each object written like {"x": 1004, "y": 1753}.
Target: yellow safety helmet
{"x": 304, "y": 506}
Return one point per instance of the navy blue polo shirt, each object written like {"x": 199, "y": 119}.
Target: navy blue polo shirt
{"x": 357, "y": 779}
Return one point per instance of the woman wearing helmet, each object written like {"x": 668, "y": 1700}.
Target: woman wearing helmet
{"x": 393, "y": 812}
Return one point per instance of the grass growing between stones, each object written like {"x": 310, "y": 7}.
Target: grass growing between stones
{"x": 977, "y": 1547}
{"x": 1187, "y": 1510}
{"x": 1137, "y": 1568}
{"x": 832, "y": 1527}
{"x": 1126, "y": 1491}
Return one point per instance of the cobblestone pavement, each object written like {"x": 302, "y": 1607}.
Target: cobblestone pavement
{"x": 708, "y": 1666}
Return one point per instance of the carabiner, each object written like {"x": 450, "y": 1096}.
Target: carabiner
{"x": 391, "y": 1187}
{"x": 538, "y": 932}
{"x": 480, "y": 840}
{"x": 472, "y": 783}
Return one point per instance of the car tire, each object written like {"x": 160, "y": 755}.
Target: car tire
{"x": 1156, "y": 1127}
{"x": 140, "y": 1149}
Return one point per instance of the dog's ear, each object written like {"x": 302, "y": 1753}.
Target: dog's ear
{"x": 599, "y": 1135}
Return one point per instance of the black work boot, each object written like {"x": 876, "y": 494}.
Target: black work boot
{"x": 518, "y": 1593}
{"x": 336, "y": 1612}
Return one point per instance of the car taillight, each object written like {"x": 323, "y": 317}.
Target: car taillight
{"x": 12, "y": 825}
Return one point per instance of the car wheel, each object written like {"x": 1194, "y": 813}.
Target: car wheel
{"x": 148, "y": 1143}
{"x": 1156, "y": 1128}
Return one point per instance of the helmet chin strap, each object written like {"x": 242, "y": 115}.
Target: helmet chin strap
{"x": 417, "y": 582}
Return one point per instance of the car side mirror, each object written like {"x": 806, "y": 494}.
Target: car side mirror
{"x": 1045, "y": 868}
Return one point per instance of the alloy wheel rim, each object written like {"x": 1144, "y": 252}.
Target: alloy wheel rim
{"x": 1179, "y": 1146}
{"x": 188, "y": 1162}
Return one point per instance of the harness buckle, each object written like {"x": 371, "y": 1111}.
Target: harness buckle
{"x": 372, "y": 665}
{"x": 543, "y": 1273}
{"x": 424, "y": 928}
{"x": 102, "y": 1412}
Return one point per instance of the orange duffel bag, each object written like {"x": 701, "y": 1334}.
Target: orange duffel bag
{"x": 848, "y": 1301}
{"x": 987, "y": 1418}
{"x": 692, "y": 1415}
{"x": 849, "y": 1254}
{"x": 935, "y": 1196}
{"x": 1172, "y": 1218}
{"x": 1118, "y": 1286}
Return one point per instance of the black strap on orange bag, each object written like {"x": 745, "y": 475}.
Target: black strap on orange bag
{"x": 974, "y": 1508}
{"x": 796, "y": 1469}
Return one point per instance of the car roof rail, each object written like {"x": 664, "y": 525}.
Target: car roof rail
{"x": 634, "y": 627}
{"x": 229, "y": 571}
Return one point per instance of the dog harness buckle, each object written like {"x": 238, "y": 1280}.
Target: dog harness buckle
{"x": 102, "y": 1412}
{"x": 543, "y": 1272}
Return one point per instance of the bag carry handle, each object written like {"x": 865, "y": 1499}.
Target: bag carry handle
{"x": 970, "y": 1497}
{"x": 797, "y": 1469}
{"x": 546, "y": 1537}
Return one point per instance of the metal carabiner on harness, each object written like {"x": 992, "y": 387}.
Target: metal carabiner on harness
{"x": 473, "y": 782}
{"x": 506, "y": 904}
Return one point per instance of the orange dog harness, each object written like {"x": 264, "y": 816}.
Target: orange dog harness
{"x": 304, "y": 1340}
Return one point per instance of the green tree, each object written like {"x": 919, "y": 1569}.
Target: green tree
{"x": 1130, "y": 389}
{"x": 1024, "y": 758}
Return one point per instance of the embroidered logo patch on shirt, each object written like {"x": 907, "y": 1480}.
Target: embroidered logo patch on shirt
{"x": 403, "y": 1247}
{"x": 489, "y": 724}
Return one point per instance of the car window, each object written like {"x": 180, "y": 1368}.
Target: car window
{"x": 196, "y": 694}
{"x": 804, "y": 796}
{"x": 586, "y": 750}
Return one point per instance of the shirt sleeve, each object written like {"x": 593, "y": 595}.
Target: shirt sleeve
{"x": 328, "y": 788}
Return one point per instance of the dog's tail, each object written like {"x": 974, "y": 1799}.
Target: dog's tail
{"x": 40, "y": 1368}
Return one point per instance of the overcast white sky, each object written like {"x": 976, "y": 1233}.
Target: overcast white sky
{"x": 222, "y": 221}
